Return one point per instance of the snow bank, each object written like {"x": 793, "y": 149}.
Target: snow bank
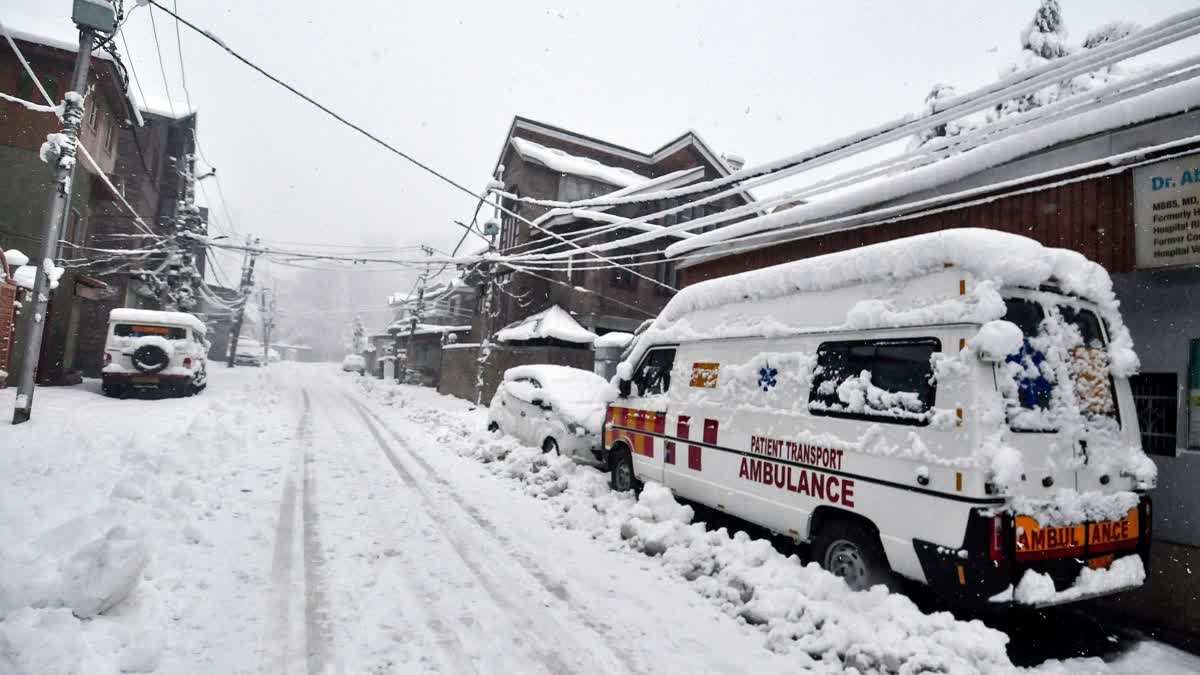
{"x": 1038, "y": 589}
{"x": 553, "y": 322}
{"x": 560, "y": 161}
{"x": 800, "y": 609}
{"x": 15, "y": 258}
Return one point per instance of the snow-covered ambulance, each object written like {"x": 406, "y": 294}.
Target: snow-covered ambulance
{"x": 952, "y": 407}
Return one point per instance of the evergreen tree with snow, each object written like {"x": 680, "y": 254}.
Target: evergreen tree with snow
{"x": 938, "y": 95}
{"x": 1046, "y": 35}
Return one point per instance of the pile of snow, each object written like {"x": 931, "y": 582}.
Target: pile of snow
{"x": 801, "y": 609}
{"x": 554, "y": 323}
{"x": 1036, "y": 588}
{"x": 577, "y": 395}
{"x": 560, "y": 161}
{"x": 25, "y": 275}
{"x": 615, "y": 339}
{"x": 15, "y": 258}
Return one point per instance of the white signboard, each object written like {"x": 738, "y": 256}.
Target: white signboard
{"x": 1166, "y": 213}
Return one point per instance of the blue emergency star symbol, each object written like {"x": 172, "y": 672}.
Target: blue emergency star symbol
{"x": 766, "y": 377}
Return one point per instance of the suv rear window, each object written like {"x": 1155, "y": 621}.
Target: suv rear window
{"x": 888, "y": 380}
{"x": 136, "y": 330}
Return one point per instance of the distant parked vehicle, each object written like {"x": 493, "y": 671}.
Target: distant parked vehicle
{"x": 247, "y": 359}
{"x": 353, "y": 363}
{"x": 151, "y": 350}
{"x": 556, "y": 408}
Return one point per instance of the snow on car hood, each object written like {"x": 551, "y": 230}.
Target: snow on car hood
{"x": 579, "y": 396}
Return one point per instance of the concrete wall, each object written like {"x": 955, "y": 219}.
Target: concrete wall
{"x": 1162, "y": 309}
{"x": 459, "y": 366}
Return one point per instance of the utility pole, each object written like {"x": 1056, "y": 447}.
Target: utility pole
{"x": 60, "y": 199}
{"x": 266, "y": 308}
{"x": 402, "y": 373}
{"x": 491, "y": 228}
{"x": 247, "y": 288}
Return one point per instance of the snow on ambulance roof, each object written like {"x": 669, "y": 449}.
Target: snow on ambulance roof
{"x": 754, "y": 303}
{"x": 130, "y": 315}
{"x": 558, "y": 160}
{"x": 553, "y": 322}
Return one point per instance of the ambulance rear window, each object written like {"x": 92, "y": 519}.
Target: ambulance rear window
{"x": 884, "y": 380}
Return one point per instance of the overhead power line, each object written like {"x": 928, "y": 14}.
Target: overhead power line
{"x": 382, "y": 143}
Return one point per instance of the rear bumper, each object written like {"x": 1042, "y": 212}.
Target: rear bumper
{"x": 144, "y": 381}
{"x": 975, "y": 574}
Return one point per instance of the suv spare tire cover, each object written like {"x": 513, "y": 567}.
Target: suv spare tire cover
{"x": 150, "y": 358}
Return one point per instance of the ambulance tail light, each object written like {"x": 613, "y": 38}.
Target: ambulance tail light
{"x": 996, "y": 538}
{"x": 187, "y": 363}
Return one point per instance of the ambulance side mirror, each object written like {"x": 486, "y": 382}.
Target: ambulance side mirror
{"x": 624, "y": 375}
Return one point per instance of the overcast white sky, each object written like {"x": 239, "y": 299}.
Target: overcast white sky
{"x": 443, "y": 81}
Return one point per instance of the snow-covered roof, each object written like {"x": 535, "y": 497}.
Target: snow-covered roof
{"x": 598, "y": 213}
{"x": 614, "y": 339}
{"x": 130, "y": 315}
{"x": 402, "y": 328}
{"x": 165, "y": 107}
{"x": 558, "y": 160}
{"x": 50, "y": 30}
{"x": 553, "y": 322}
{"x": 1158, "y": 103}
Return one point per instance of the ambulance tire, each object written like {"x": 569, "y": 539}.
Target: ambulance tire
{"x": 851, "y": 550}
{"x": 620, "y": 465}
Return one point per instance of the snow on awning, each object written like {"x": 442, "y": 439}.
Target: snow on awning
{"x": 403, "y": 327}
{"x": 164, "y": 107}
{"x": 553, "y": 323}
{"x": 558, "y": 160}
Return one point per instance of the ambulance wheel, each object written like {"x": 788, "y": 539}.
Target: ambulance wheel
{"x": 852, "y": 551}
{"x": 621, "y": 467}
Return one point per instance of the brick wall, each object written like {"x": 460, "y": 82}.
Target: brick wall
{"x": 8, "y": 294}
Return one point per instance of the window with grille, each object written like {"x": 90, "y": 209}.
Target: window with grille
{"x": 1156, "y": 397}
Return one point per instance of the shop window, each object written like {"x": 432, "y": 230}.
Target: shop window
{"x": 1156, "y": 398}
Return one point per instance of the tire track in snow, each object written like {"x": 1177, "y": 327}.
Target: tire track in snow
{"x": 298, "y": 539}
{"x": 550, "y": 659}
{"x": 552, "y": 586}
{"x": 454, "y": 652}
{"x": 318, "y": 634}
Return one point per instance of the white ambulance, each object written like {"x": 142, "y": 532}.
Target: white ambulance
{"x": 952, "y": 407}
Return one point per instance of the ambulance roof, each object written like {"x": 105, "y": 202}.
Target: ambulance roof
{"x": 886, "y": 285}
{"x": 130, "y": 315}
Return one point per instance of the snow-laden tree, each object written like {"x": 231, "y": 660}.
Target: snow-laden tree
{"x": 1046, "y": 35}
{"x": 1045, "y": 39}
{"x": 938, "y": 95}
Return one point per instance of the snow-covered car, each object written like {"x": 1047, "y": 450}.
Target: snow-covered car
{"x": 152, "y": 350}
{"x": 354, "y": 363}
{"x": 557, "y": 408}
{"x": 247, "y": 358}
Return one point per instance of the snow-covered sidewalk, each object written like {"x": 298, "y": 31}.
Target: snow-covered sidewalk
{"x": 296, "y": 519}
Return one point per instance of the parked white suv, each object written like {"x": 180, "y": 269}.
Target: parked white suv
{"x": 151, "y": 350}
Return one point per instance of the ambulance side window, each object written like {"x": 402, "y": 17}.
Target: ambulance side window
{"x": 653, "y": 376}
{"x": 883, "y": 380}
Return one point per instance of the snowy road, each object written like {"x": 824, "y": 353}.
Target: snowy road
{"x": 297, "y": 520}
